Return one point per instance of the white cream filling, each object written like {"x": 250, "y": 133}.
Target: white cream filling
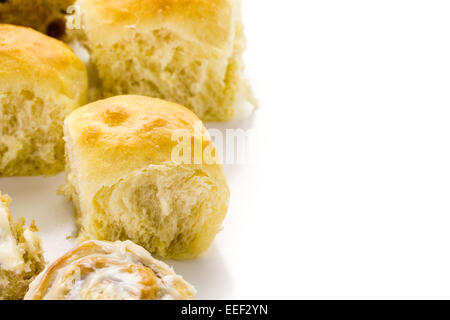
{"x": 167, "y": 287}
{"x": 11, "y": 258}
{"x": 109, "y": 283}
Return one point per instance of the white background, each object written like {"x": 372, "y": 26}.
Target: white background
{"x": 348, "y": 192}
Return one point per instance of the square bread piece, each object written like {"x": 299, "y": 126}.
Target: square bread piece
{"x": 128, "y": 182}
{"x": 184, "y": 51}
{"x": 21, "y": 257}
{"x": 46, "y": 16}
{"x": 41, "y": 82}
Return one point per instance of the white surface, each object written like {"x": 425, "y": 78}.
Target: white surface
{"x": 349, "y": 194}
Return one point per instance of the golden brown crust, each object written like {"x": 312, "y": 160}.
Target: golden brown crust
{"x": 118, "y": 135}
{"x": 205, "y": 20}
{"x": 30, "y": 56}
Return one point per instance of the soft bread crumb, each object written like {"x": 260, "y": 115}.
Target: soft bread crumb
{"x": 31, "y": 141}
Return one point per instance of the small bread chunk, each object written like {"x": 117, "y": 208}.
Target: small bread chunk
{"x": 21, "y": 257}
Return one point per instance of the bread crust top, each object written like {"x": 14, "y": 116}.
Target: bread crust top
{"x": 208, "y": 21}
{"x": 113, "y": 137}
{"x": 30, "y": 57}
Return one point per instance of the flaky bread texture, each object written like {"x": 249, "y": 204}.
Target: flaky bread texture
{"x": 41, "y": 82}
{"x": 21, "y": 257}
{"x": 102, "y": 270}
{"x": 185, "y": 51}
{"x": 125, "y": 185}
{"x": 46, "y": 16}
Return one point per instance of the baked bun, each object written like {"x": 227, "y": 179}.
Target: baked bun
{"x": 100, "y": 270}
{"x": 185, "y": 51}
{"x": 21, "y": 256}
{"x": 127, "y": 180}
{"x": 46, "y": 16}
{"x": 41, "y": 82}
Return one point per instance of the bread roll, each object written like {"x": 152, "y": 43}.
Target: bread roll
{"x": 127, "y": 182}
{"x": 185, "y": 51}
{"x": 20, "y": 254}
{"x": 47, "y": 16}
{"x": 41, "y": 82}
{"x": 100, "y": 270}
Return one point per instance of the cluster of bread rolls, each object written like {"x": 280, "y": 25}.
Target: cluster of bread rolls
{"x": 124, "y": 171}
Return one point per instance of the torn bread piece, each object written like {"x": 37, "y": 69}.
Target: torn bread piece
{"x": 21, "y": 257}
